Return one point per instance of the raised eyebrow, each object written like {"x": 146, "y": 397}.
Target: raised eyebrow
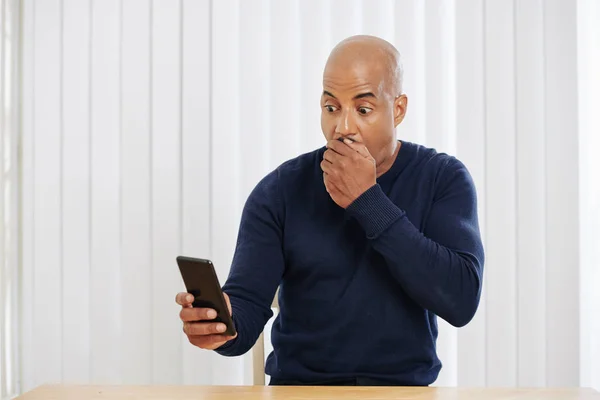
{"x": 326, "y": 93}
{"x": 363, "y": 95}
{"x": 358, "y": 96}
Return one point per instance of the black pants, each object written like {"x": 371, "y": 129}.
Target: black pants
{"x": 338, "y": 382}
{"x": 281, "y": 382}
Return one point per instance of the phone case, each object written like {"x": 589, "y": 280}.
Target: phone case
{"x": 201, "y": 281}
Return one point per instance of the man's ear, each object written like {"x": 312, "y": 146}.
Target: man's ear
{"x": 400, "y": 104}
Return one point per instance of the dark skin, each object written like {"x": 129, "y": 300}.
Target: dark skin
{"x": 206, "y": 335}
{"x": 362, "y": 104}
{"x": 361, "y": 101}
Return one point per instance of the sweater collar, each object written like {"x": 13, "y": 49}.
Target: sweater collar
{"x": 402, "y": 159}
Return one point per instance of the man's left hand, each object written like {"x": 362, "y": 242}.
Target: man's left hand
{"x": 348, "y": 171}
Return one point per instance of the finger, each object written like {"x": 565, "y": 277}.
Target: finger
{"x": 209, "y": 342}
{"x": 331, "y": 156}
{"x": 339, "y": 147}
{"x": 330, "y": 186}
{"x": 197, "y": 314}
{"x": 228, "y": 302}
{"x": 184, "y": 299}
{"x": 358, "y": 147}
{"x": 203, "y": 328}
{"x": 204, "y": 342}
{"x": 327, "y": 167}
{"x": 212, "y": 338}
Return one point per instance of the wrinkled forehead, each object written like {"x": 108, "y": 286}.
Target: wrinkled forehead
{"x": 349, "y": 76}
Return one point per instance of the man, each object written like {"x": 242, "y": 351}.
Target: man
{"x": 368, "y": 238}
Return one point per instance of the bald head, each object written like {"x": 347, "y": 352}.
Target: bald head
{"x": 373, "y": 56}
{"x": 362, "y": 96}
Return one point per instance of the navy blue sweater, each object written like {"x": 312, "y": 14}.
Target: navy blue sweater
{"x": 360, "y": 288}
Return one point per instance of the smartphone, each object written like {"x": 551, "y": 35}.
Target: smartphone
{"x": 201, "y": 281}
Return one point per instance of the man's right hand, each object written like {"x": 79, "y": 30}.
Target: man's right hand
{"x": 206, "y": 335}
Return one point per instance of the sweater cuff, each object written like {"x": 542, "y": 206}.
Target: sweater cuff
{"x": 374, "y": 211}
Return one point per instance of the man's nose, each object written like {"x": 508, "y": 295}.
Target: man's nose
{"x": 346, "y": 124}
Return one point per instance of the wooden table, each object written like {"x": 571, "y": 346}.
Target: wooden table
{"x": 299, "y": 393}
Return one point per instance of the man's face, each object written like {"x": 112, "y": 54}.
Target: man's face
{"x": 357, "y": 102}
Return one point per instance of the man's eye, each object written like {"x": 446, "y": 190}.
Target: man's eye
{"x": 364, "y": 110}
{"x": 330, "y": 108}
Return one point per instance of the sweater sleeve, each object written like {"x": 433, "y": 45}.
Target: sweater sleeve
{"x": 257, "y": 267}
{"x": 440, "y": 268}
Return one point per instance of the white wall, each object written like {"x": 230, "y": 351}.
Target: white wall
{"x": 147, "y": 123}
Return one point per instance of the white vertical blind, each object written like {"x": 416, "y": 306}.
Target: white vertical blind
{"x": 470, "y": 148}
{"x": 136, "y": 219}
{"x": 28, "y": 377}
{"x": 346, "y": 18}
{"x": 588, "y": 65}
{"x": 196, "y": 159}
{"x": 105, "y": 197}
{"x": 254, "y": 126}
{"x": 315, "y": 45}
{"x": 75, "y": 115}
{"x": 9, "y": 197}
{"x": 531, "y": 192}
{"x": 146, "y": 123}
{"x": 166, "y": 187}
{"x": 562, "y": 189}
{"x": 225, "y": 153}
{"x": 500, "y": 182}
{"x": 47, "y": 282}
{"x": 285, "y": 139}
